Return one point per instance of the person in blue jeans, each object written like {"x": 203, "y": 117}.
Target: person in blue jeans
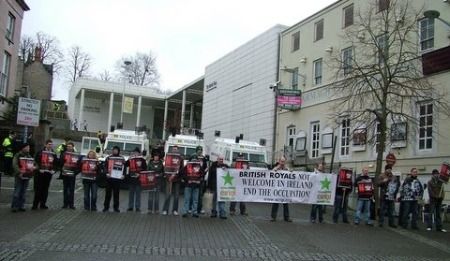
{"x": 135, "y": 164}
{"x": 212, "y": 186}
{"x": 22, "y": 177}
{"x": 89, "y": 181}
{"x": 69, "y": 171}
{"x": 192, "y": 175}
{"x": 365, "y": 193}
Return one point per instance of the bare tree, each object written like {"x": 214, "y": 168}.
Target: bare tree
{"x": 379, "y": 78}
{"x": 105, "y": 76}
{"x": 142, "y": 70}
{"x": 49, "y": 46}
{"x": 78, "y": 63}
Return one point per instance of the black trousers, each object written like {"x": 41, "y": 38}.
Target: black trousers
{"x": 275, "y": 210}
{"x": 42, "y": 181}
{"x": 112, "y": 189}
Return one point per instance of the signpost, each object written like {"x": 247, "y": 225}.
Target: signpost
{"x": 289, "y": 99}
{"x": 28, "y": 114}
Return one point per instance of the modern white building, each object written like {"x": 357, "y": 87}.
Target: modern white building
{"x": 237, "y": 99}
{"x": 100, "y": 104}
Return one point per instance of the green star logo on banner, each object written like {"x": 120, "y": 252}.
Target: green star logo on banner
{"x": 325, "y": 184}
{"x": 228, "y": 179}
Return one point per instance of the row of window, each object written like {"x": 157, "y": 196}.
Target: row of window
{"x": 358, "y": 136}
{"x": 6, "y": 62}
{"x": 426, "y": 28}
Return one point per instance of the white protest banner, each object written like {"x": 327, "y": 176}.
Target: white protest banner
{"x": 276, "y": 186}
{"x": 28, "y": 112}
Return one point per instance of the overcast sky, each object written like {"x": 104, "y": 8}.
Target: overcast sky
{"x": 185, "y": 35}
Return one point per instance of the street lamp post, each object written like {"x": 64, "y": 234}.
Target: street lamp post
{"x": 127, "y": 67}
{"x": 433, "y": 14}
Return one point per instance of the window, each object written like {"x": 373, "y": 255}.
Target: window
{"x": 290, "y": 135}
{"x": 383, "y": 5}
{"x": 348, "y": 15}
{"x": 345, "y": 137}
{"x": 315, "y": 139}
{"x": 10, "y": 27}
{"x": 4, "y": 75}
{"x": 426, "y": 34}
{"x": 382, "y": 50}
{"x": 425, "y": 126}
{"x": 295, "y": 78}
{"x": 318, "y": 30}
{"x": 347, "y": 58}
{"x": 295, "y": 41}
{"x": 318, "y": 71}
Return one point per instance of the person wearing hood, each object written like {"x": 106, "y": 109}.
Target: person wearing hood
{"x": 410, "y": 193}
{"x": 23, "y": 167}
{"x": 436, "y": 192}
{"x": 115, "y": 173}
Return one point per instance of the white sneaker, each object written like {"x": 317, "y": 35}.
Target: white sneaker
{"x": 164, "y": 213}
{"x": 443, "y": 230}
{"x": 189, "y": 211}
{"x": 429, "y": 229}
{"x": 175, "y": 213}
{"x": 202, "y": 212}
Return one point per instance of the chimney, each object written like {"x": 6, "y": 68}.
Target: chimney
{"x": 37, "y": 54}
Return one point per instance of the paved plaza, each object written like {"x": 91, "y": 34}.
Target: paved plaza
{"x": 57, "y": 234}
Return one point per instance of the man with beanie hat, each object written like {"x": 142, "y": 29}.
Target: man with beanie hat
{"x": 437, "y": 193}
{"x": 23, "y": 167}
{"x": 115, "y": 172}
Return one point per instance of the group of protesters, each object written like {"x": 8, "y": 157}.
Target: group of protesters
{"x": 151, "y": 175}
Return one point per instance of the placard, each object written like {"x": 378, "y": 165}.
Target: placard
{"x": 89, "y": 168}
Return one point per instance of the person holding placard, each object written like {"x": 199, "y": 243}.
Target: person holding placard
{"x": 212, "y": 186}
{"x": 70, "y": 168}
{"x": 317, "y": 209}
{"x": 90, "y": 169}
{"x": 115, "y": 173}
{"x": 365, "y": 193}
{"x": 280, "y": 166}
{"x": 173, "y": 164}
{"x": 410, "y": 193}
{"x": 155, "y": 165}
{"x": 389, "y": 186}
{"x": 344, "y": 187}
{"x": 46, "y": 161}
{"x": 192, "y": 175}
{"x": 23, "y": 167}
{"x": 135, "y": 164}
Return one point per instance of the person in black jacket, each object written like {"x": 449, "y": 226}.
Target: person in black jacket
{"x": 114, "y": 166}
{"x": 365, "y": 192}
{"x": 157, "y": 166}
{"x": 90, "y": 170}
{"x": 46, "y": 161}
{"x": 70, "y": 168}
{"x": 192, "y": 174}
{"x": 212, "y": 186}
{"x": 135, "y": 164}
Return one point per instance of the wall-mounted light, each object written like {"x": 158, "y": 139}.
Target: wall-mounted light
{"x": 303, "y": 60}
{"x": 329, "y": 49}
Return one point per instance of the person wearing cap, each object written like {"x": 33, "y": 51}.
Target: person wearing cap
{"x": 410, "y": 193}
{"x": 46, "y": 162}
{"x": 113, "y": 184}
{"x": 280, "y": 166}
{"x": 8, "y": 153}
{"x": 135, "y": 164}
{"x": 389, "y": 186}
{"x": 212, "y": 186}
{"x": 21, "y": 181}
{"x": 157, "y": 166}
{"x": 436, "y": 192}
{"x": 69, "y": 179}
